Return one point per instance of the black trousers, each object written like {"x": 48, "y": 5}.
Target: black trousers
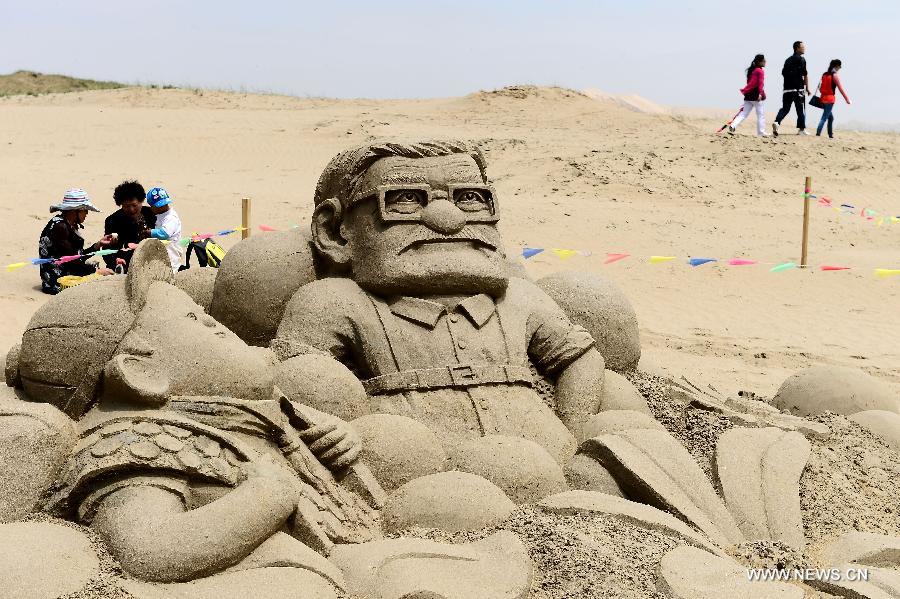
{"x": 799, "y": 102}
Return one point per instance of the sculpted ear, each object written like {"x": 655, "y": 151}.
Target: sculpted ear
{"x": 149, "y": 264}
{"x": 326, "y": 232}
{"x": 135, "y": 381}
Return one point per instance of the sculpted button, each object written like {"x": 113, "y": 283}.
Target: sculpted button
{"x": 453, "y": 318}
{"x": 461, "y": 344}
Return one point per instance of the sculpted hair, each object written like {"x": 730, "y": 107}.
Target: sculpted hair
{"x": 340, "y": 177}
{"x": 129, "y": 190}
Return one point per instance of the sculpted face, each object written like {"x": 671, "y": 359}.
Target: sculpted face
{"x": 421, "y": 226}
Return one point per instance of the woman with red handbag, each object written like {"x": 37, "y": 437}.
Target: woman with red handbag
{"x": 829, "y": 84}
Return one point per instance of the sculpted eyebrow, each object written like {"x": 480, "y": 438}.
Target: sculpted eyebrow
{"x": 464, "y": 174}
{"x": 406, "y": 174}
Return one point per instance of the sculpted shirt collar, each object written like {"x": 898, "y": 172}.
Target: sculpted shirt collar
{"x": 478, "y": 308}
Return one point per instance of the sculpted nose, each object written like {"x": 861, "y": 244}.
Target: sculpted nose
{"x": 444, "y": 217}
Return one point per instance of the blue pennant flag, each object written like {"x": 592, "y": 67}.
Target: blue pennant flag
{"x": 39, "y": 261}
{"x": 529, "y": 252}
{"x": 699, "y": 261}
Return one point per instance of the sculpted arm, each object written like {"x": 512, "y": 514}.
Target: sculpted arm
{"x": 563, "y": 351}
{"x": 320, "y": 315}
{"x": 578, "y": 391}
{"x": 156, "y": 538}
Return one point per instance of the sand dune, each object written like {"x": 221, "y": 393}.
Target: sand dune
{"x": 571, "y": 171}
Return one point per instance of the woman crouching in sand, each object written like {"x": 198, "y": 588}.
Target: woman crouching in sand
{"x": 754, "y": 97}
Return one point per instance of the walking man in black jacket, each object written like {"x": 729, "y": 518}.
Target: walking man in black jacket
{"x": 796, "y": 86}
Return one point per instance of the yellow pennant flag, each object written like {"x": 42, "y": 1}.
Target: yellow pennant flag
{"x": 560, "y": 253}
{"x": 12, "y": 267}
{"x": 658, "y": 259}
{"x": 883, "y": 273}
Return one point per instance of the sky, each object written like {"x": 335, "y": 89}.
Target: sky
{"x": 689, "y": 53}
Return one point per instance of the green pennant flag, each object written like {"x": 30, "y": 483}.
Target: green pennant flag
{"x": 784, "y": 266}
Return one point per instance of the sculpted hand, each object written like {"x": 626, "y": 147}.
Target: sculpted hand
{"x": 334, "y": 442}
{"x": 279, "y": 477}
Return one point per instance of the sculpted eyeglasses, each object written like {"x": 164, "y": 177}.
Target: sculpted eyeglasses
{"x": 398, "y": 203}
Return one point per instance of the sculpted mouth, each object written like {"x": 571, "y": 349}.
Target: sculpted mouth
{"x": 479, "y": 244}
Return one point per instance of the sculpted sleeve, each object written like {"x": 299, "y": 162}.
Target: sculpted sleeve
{"x": 320, "y": 317}
{"x": 554, "y": 341}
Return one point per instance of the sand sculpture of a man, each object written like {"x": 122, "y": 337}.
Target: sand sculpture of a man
{"x": 423, "y": 309}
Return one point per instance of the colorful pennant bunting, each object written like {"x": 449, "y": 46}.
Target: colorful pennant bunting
{"x": 883, "y": 273}
{"x": 659, "y": 259}
{"x": 529, "y": 252}
{"x": 610, "y": 258}
{"x": 741, "y": 262}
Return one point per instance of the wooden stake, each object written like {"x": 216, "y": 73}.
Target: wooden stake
{"x": 804, "y": 251}
{"x": 245, "y": 218}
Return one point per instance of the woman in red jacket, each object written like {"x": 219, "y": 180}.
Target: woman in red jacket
{"x": 754, "y": 96}
{"x": 830, "y": 82}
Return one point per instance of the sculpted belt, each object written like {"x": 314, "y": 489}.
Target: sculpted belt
{"x": 459, "y": 376}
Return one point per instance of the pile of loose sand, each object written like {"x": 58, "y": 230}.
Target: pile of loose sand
{"x": 852, "y": 482}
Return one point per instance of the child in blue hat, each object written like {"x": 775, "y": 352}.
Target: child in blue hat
{"x": 168, "y": 224}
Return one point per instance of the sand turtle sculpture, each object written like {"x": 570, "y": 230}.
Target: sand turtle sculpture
{"x": 209, "y": 482}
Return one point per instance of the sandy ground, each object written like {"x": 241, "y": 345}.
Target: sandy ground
{"x": 571, "y": 172}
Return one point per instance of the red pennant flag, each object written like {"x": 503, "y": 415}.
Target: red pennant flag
{"x": 610, "y": 258}
{"x": 267, "y": 228}
{"x": 826, "y": 267}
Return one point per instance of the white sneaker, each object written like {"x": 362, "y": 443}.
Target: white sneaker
{"x": 730, "y": 130}
{"x": 802, "y": 132}
{"x": 775, "y": 129}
